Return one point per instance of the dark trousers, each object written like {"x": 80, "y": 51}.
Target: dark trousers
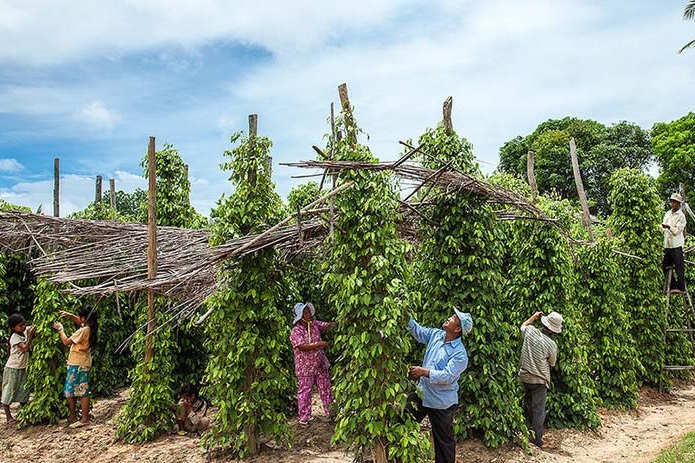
{"x": 442, "y": 422}
{"x": 534, "y": 407}
{"x": 674, "y": 257}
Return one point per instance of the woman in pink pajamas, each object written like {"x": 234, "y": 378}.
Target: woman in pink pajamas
{"x": 310, "y": 361}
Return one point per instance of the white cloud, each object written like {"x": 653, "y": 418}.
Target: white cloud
{"x": 98, "y": 116}
{"x": 10, "y": 165}
{"x": 509, "y": 65}
{"x": 81, "y": 29}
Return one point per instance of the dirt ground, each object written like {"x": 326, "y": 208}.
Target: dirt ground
{"x": 636, "y": 437}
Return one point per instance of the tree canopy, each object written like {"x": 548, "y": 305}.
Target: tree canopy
{"x": 601, "y": 151}
{"x": 673, "y": 144}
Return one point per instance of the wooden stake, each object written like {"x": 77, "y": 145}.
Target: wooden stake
{"x": 586, "y": 216}
{"x": 151, "y": 245}
{"x": 97, "y": 192}
{"x": 350, "y": 126}
{"x": 112, "y": 193}
{"x": 446, "y": 109}
{"x": 530, "y": 162}
{"x": 253, "y": 130}
{"x": 56, "y": 187}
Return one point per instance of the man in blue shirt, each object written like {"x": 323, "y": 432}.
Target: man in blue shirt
{"x": 445, "y": 359}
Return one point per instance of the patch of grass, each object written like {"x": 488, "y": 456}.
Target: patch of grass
{"x": 682, "y": 452}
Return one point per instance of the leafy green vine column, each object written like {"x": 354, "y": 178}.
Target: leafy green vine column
{"x": 636, "y": 219}
{"x": 149, "y": 411}
{"x": 363, "y": 283}
{"x": 460, "y": 265}
{"x": 540, "y": 277}
{"x": 46, "y": 369}
{"x": 247, "y": 333}
{"x": 612, "y": 356}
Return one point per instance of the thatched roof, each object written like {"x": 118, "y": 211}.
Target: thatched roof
{"x": 108, "y": 257}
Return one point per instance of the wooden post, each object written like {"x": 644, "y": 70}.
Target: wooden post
{"x": 446, "y": 109}
{"x": 586, "y": 216}
{"x": 56, "y": 187}
{"x": 347, "y": 114}
{"x": 97, "y": 192}
{"x": 253, "y": 131}
{"x": 334, "y": 134}
{"x": 151, "y": 245}
{"x": 530, "y": 162}
{"x": 112, "y": 193}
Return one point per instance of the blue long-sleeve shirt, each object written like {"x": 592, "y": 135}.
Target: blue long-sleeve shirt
{"x": 445, "y": 361}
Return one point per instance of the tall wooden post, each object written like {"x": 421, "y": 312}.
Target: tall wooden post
{"x": 112, "y": 193}
{"x": 586, "y": 216}
{"x": 97, "y": 192}
{"x": 530, "y": 174}
{"x": 56, "y": 187}
{"x": 151, "y": 244}
{"x": 253, "y": 131}
{"x": 350, "y": 125}
{"x": 446, "y": 119}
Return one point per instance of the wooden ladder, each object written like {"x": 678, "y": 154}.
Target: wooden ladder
{"x": 689, "y": 320}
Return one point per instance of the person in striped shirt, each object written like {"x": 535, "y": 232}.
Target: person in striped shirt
{"x": 538, "y": 355}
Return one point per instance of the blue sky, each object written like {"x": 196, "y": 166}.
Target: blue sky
{"x": 89, "y": 82}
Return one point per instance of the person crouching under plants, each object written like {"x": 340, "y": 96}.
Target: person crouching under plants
{"x": 444, "y": 362}
{"x": 310, "y": 361}
{"x": 81, "y": 344}
{"x": 14, "y": 376}
{"x": 192, "y": 408}
{"x": 538, "y": 355}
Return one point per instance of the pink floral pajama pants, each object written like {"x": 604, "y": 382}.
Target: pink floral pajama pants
{"x": 304, "y": 387}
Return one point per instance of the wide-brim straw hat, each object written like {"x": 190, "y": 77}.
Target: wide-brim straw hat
{"x": 552, "y": 321}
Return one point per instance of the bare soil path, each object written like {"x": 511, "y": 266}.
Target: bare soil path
{"x": 636, "y": 437}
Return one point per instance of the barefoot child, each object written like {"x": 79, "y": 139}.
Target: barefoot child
{"x": 81, "y": 344}
{"x": 192, "y": 409}
{"x": 14, "y": 377}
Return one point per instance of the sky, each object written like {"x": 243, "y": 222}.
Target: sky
{"x": 90, "y": 82}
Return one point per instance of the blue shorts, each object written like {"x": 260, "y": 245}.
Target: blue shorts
{"x": 77, "y": 382}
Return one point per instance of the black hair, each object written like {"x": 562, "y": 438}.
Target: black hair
{"x": 90, "y": 316}
{"x": 188, "y": 389}
{"x": 15, "y": 319}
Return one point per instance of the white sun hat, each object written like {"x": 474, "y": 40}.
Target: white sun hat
{"x": 299, "y": 310}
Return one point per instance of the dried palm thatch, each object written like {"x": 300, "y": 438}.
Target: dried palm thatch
{"x": 112, "y": 256}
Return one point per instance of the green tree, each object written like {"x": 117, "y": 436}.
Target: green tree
{"x": 600, "y": 150}
{"x": 247, "y": 333}
{"x": 688, "y": 14}
{"x": 674, "y": 147}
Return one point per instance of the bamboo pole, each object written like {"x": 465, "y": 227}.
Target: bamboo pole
{"x": 56, "y": 187}
{"x": 530, "y": 163}
{"x": 586, "y": 216}
{"x": 151, "y": 245}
